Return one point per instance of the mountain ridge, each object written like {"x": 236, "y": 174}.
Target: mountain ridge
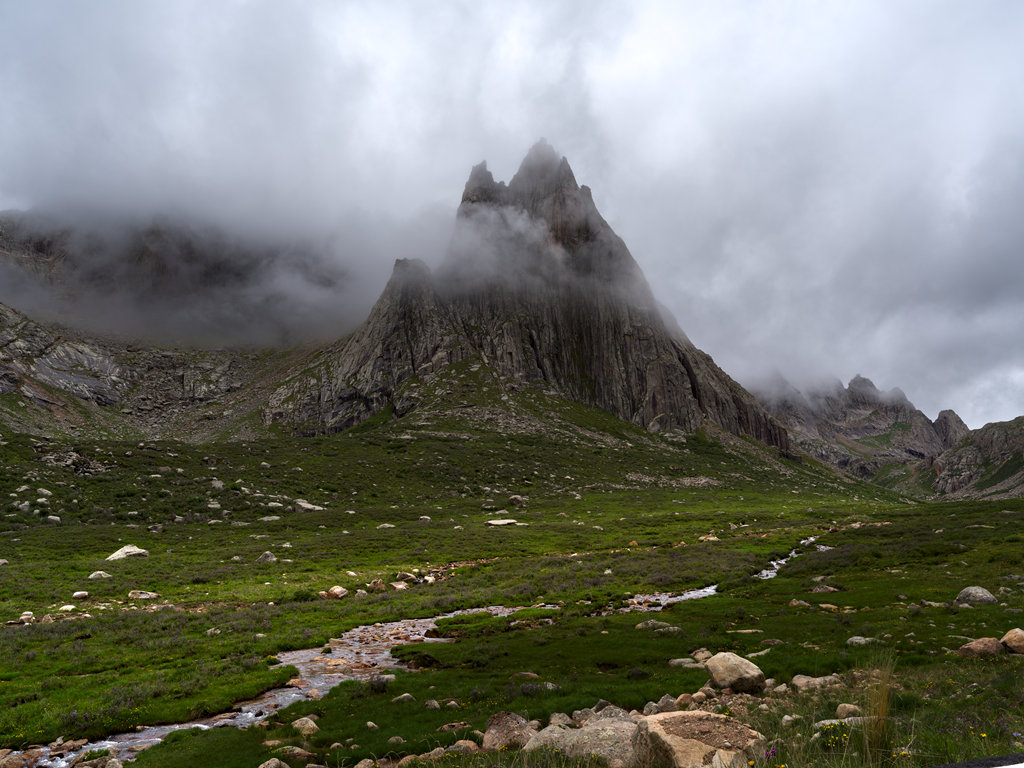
{"x": 539, "y": 286}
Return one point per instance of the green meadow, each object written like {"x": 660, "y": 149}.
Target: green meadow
{"x": 608, "y": 511}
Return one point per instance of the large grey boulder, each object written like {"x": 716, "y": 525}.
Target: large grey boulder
{"x": 696, "y": 739}
{"x": 728, "y": 670}
{"x": 975, "y": 596}
{"x": 608, "y": 737}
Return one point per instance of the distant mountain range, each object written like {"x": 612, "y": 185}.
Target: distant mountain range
{"x": 535, "y": 287}
{"x": 882, "y": 437}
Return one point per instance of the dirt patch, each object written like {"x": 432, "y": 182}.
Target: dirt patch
{"x": 720, "y": 734}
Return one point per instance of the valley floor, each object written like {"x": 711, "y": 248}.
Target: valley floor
{"x": 603, "y": 512}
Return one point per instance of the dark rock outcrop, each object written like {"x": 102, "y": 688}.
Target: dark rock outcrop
{"x": 537, "y": 286}
{"x": 858, "y": 427}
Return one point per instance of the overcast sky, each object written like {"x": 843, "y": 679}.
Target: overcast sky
{"x": 818, "y": 188}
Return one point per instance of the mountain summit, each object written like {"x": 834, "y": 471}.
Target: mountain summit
{"x": 538, "y": 287}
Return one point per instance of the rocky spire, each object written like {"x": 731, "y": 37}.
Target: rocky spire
{"x": 537, "y": 286}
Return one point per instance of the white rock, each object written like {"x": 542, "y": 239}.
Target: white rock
{"x": 100, "y": 575}
{"x": 502, "y": 521}
{"x": 66, "y": 608}
{"x": 128, "y": 550}
{"x": 80, "y": 595}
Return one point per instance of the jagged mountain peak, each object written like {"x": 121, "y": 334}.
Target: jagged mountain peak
{"x": 543, "y": 172}
{"x": 538, "y": 287}
{"x": 542, "y": 224}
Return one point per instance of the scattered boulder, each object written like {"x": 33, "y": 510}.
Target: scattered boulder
{"x": 1013, "y": 640}
{"x": 728, "y": 670}
{"x": 301, "y": 505}
{"x": 980, "y": 648}
{"x": 806, "y": 683}
{"x": 336, "y": 592}
{"x": 100, "y": 575}
{"x": 128, "y": 550}
{"x": 506, "y": 730}
{"x": 857, "y": 640}
{"x": 502, "y": 521}
{"x": 975, "y": 596}
{"x": 3, "y": 561}
{"x": 652, "y": 624}
{"x": 517, "y": 501}
{"x": 267, "y": 557}
{"x": 403, "y": 697}
{"x": 141, "y": 594}
{"x": 377, "y": 585}
{"x": 696, "y": 739}
{"x": 608, "y": 737}
{"x": 80, "y": 595}
{"x": 273, "y": 763}
{"x": 305, "y": 726}
{"x": 844, "y": 711}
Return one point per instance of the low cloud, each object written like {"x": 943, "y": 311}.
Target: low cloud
{"x": 820, "y": 189}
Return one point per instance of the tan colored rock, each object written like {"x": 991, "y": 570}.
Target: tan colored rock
{"x": 696, "y": 739}
{"x": 1013, "y": 640}
{"x": 728, "y": 670}
{"x": 980, "y": 648}
{"x": 464, "y": 746}
{"x": 305, "y": 726}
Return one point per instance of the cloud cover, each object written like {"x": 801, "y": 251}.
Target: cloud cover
{"x": 816, "y": 188}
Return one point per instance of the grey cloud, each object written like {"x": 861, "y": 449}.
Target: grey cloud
{"x": 823, "y": 189}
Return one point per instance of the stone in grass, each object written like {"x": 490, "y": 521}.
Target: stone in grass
{"x": 506, "y": 730}
{"x": 305, "y": 726}
{"x": 728, "y": 670}
{"x": 982, "y": 647}
{"x": 1013, "y": 640}
{"x": 80, "y": 595}
{"x": 128, "y": 550}
{"x": 403, "y": 697}
{"x": 267, "y": 557}
{"x": 141, "y": 594}
{"x": 975, "y": 596}
{"x": 100, "y": 575}
{"x": 274, "y": 763}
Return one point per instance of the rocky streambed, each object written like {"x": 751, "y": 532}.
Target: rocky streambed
{"x": 357, "y": 654}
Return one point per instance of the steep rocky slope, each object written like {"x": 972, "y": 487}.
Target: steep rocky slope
{"x": 987, "y": 463}
{"x": 882, "y": 437}
{"x": 539, "y": 287}
{"x": 858, "y": 427}
{"x": 54, "y": 380}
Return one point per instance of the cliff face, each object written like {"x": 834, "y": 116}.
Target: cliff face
{"x": 859, "y": 427}
{"x": 987, "y": 463}
{"x": 538, "y": 286}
